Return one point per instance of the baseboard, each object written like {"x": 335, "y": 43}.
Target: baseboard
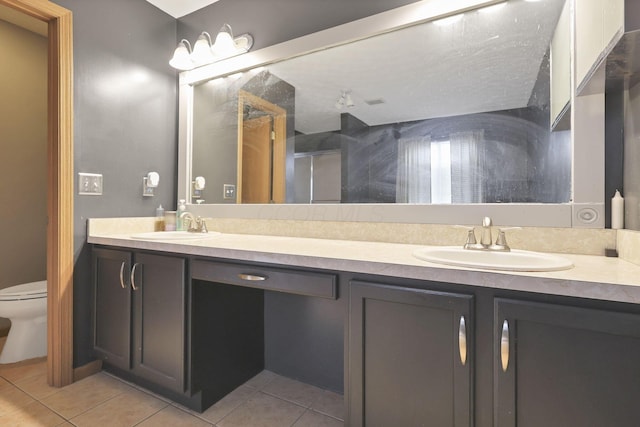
{"x": 87, "y": 370}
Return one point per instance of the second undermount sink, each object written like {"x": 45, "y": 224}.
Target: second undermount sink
{"x": 173, "y": 235}
{"x": 515, "y": 260}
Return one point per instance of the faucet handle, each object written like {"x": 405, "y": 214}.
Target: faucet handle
{"x": 501, "y": 243}
{"x": 471, "y": 242}
{"x": 471, "y": 238}
{"x": 501, "y": 240}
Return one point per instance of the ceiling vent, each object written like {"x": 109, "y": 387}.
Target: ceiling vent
{"x": 374, "y": 101}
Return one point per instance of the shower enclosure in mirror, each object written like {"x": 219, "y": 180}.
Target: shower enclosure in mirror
{"x": 448, "y": 111}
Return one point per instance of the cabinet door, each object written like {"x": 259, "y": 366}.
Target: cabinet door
{"x": 559, "y": 366}
{"x": 112, "y": 307}
{"x": 410, "y": 357}
{"x": 159, "y": 319}
{"x": 598, "y": 26}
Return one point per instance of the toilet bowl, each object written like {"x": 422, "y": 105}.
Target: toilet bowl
{"x": 26, "y": 307}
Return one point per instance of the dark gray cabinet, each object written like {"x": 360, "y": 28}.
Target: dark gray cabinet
{"x": 411, "y": 357}
{"x": 112, "y": 307}
{"x": 559, "y": 366}
{"x": 140, "y": 315}
{"x": 417, "y": 353}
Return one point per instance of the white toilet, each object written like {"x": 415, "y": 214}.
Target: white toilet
{"x": 26, "y": 306}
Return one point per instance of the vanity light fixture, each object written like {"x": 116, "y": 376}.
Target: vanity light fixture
{"x": 203, "y": 53}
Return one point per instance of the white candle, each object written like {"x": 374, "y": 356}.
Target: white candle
{"x": 617, "y": 211}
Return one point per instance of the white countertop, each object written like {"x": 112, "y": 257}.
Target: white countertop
{"x": 594, "y": 277}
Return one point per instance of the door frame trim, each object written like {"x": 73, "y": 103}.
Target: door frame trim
{"x": 59, "y": 186}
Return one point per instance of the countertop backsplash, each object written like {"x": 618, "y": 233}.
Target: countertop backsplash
{"x": 543, "y": 239}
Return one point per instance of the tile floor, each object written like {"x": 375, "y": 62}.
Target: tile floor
{"x": 267, "y": 400}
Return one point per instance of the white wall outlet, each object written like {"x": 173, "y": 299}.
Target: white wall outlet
{"x": 89, "y": 184}
{"x": 229, "y": 191}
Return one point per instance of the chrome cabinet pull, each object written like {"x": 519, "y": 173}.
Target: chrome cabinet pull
{"x": 133, "y": 273}
{"x": 122, "y": 275}
{"x": 462, "y": 341}
{"x": 504, "y": 345}
{"x": 252, "y": 277}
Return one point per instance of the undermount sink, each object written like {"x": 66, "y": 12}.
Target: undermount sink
{"x": 515, "y": 260}
{"x": 173, "y": 235}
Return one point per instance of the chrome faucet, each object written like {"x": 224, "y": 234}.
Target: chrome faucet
{"x": 196, "y": 224}
{"x": 486, "y": 239}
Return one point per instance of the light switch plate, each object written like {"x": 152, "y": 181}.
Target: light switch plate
{"x": 228, "y": 191}
{"x": 89, "y": 184}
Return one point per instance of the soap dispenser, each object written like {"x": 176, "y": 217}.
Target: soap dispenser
{"x": 182, "y": 208}
{"x": 159, "y": 224}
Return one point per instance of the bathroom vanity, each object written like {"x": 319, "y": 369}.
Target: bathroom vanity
{"x": 404, "y": 339}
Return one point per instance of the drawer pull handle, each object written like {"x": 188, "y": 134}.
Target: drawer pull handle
{"x": 504, "y": 346}
{"x": 462, "y": 341}
{"x": 252, "y": 277}
{"x": 133, "y": 273}
{"x": 122, "y": 275}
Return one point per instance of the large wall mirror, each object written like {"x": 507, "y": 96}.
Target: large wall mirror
{"x": 448, "y": 105}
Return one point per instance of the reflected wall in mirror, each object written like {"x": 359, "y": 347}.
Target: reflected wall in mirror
{"x": 448, "y": 111}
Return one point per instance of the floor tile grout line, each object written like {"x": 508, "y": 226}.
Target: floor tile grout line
{"x": 325, "y": 414}
{"x": 14, "y": 382}
{"x": 86, "y": 409}
{"x": 154, "y": 414}
{"x": 302, "y": 405}
{"x": 78, "y": 414}
{"x": 41, "y": 398}
{"x": 298, "y": 419}
{"x": 196, "y": 415}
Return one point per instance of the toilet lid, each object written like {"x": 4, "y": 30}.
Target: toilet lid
{"x": 24, "y": 291}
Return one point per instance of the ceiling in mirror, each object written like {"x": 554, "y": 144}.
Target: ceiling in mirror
{"x": 482, "y": 60}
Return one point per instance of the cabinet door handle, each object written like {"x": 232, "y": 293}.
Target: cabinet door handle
{"x": 122, "y": 275}
{"x": 133, "y": 274}
{"x": 504, "y": 345}
{"x": 252, "y": 277}
{"x": 462, "y": 340}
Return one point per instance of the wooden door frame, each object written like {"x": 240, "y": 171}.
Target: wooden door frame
{"x": 59, "y": 185}
{"x": 280, "y": 127}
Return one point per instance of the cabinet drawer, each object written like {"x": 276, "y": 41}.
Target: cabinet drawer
{"x": 274, "y": 279}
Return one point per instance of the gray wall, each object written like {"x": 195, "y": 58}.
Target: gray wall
{"x": 125, "y": 123}
{"x": 125, "y": 108}
{"x": 276, "y": 21}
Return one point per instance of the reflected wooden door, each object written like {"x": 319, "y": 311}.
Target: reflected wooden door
{"x": 257, "y": 160}
{"x": 262, "y": 157}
